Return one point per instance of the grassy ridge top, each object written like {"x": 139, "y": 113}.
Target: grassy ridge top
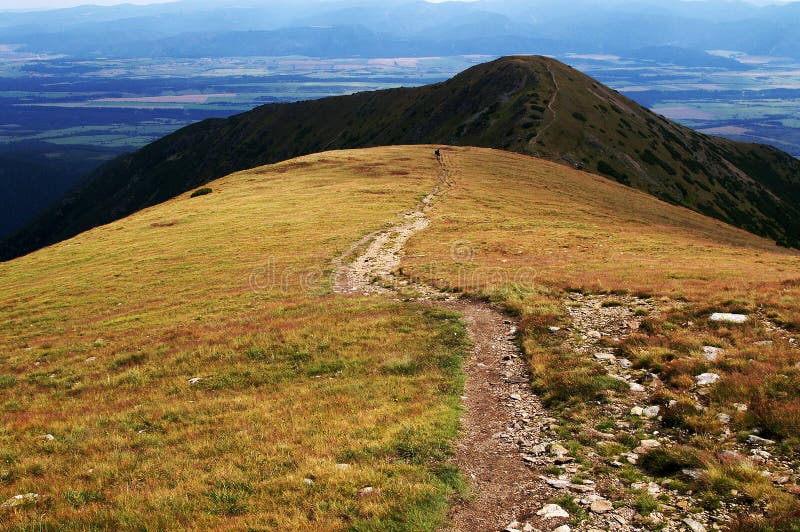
{"x": 530, "y": 105}
{"x": 529, "y": 234}
{"x": 575, "y": 229}
{"x": 100, "y": 336}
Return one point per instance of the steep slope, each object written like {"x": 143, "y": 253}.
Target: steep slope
{"x": 194, "y": 356}
{"x": 531, "y": 105}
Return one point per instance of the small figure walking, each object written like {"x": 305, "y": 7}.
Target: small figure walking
{"x": 438, "y": 153}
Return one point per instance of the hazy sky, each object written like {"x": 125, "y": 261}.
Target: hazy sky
{"x": 38, "y": 4}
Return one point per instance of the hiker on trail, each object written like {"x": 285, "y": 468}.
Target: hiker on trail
{"x": 438, "y": 153}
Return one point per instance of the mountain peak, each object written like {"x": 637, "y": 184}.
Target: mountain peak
{"x": 533, "y": 105}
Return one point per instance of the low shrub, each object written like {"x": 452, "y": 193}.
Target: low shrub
{"x": 201, "y": 192}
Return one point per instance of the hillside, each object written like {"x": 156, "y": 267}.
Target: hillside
{"x": 196, "y": 359}
{"x": 531, "y": 105}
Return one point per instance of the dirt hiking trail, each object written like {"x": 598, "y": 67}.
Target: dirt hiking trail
{"x": 497, "y": 398}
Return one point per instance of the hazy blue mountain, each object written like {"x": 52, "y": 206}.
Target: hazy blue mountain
{"x": 483, "y": 26}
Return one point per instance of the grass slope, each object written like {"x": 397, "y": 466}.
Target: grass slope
{"x": 531, "y": 105}
{"x": 525, "y": 233}
{"x": 100, "y": 335}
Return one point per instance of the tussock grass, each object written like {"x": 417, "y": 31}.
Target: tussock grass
{"x": 100, "y": 336}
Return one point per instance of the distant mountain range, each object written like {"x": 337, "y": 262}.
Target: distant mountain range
{"x": 395, "y": 27}
{"x": 530, "y": 105}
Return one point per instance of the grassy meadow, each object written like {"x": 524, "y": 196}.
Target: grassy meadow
{"x": 525, "y": 233}
{"x": 188, "y": 368}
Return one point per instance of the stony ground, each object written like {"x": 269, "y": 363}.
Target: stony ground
{"x": 526, "y": 474}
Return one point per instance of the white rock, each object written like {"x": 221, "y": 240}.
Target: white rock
{"x": 195, "y": 380}
{"x": 555, "y": 329}
{"x": 552, "y": 511}
{"x": 637, "y": 411}
{"x": 23, "y": 498}
{"x": 624, "y": 362}
{"x": 601, "y": 506}
{"x": 538, "y": 449}
{"x": 308, "y": 482}
{"x": 605, "y": 356}
{"x": 728, "y": 317}
{"x": 759, "y": 440}
{"x": 512, "y": 527}
{"x": 366, "y": 491}
{"x": 636, "y": 387}
{"x": 651, "y": 412}
{"x": 704, "y": 379}
{"x": 557, "y": 483}
{"x": 49, "y": 437}
{"x": 741, "y": 407}
{"x": 558, "y": 450}
{"x": 90, "y": 359}
{"x": 515, "y": 397}
{"x": 562, "y": 528}
{"x": 724, "y": 418}
{"x": 650, "y": 444}
{"x": 528, "y": 528}
{"x": 693, "y": 525}
{"x": 711, "y": 353}
{"x": 343, "y": 467}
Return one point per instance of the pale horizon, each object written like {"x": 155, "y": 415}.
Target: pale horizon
{"x": 31, "y": 5}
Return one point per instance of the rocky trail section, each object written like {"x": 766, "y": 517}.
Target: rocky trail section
{"x": 608, "y": 498}
{"x": 526, "y": 473}
{"x": 499, "y": 404}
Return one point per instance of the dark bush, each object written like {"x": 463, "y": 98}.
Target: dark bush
{"x": 201, "y": 192}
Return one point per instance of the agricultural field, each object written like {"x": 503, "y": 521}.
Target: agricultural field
{"x": 127, "y": 103}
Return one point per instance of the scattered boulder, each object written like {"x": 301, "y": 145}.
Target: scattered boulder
{"x": 195, "y": 380}
{"x": 558, "y": 450}
{"x": 637, "y": 411}
{"x": 515, "y": 397}
{"x": 562, "y": 528}
{"x": 757, "y": 440}
{"x": 723, "y": 418}
{"x": 693, "y": 525}
{"x": 21, "y": 500}
{"x": 601, "y": 506}
{"x": 366, "y": 491}
{"x": 651, "y": 412}
{"x": 704, "y": 379}
{"x": 557, "y": 483}
{"x": 605, "y": 356}
{"x": 711, "y": 353}
{"x": 728, "y": 317}
{"x": 343, "y": 467}
{"x": 636, "y": 387}
{"x": 552, "y": 511}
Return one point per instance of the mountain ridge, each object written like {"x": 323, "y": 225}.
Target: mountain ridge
{"x": 527, "y": 104}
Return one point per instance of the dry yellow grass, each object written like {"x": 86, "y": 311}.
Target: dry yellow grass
{"x": 524, "y": 232}
{"x": 100, "y": 335}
